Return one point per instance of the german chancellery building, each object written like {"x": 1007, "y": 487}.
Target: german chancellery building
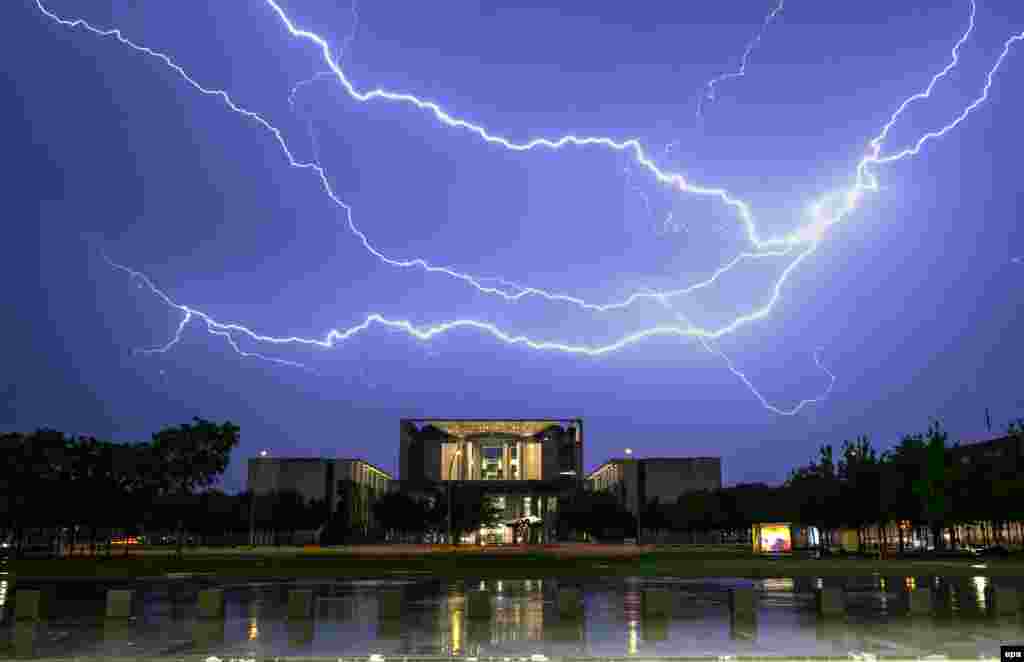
{"x": 526, "y": 465}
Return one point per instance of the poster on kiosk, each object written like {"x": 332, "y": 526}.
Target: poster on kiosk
{"x": 768, "y": 538}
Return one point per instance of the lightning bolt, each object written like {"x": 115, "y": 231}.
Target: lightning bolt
{"x": 346, "y": 44}
{"x": 712, "y": 349}
{"x": 828, "y": 210}
{"x": 709, "y": 87}
{"x": 343, "y": 51}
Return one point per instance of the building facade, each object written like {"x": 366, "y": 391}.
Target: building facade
{"x": 348, "y": 483}
{"x": 639, "y": 481}
{"x": 526, "y": 465}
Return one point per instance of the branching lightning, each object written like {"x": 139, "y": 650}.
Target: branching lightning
{"x": 830, "y": 209}
{"x": 344, "y": 51}
{"x": 708, "y": 93}
{"x": 717, "y": 351}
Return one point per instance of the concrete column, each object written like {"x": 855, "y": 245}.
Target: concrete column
{"x": 478, "y": 605}
{"x": 920, "y": 601}
{"x": 570, "y": 603}
{"x": 300, "y": 605}
{"x": 389, "y": 604}
{"x": 23, "y": 638}
{"x": 656, "y": 602}
{"x": 208, "y": 632}
{"x": 656, "y": 607}
{"x": 211, "y": 603}
{"x": 1003, "y": 600}
{"x": 742, "y": 603}
{"x": 117, "y": 629}
{"x": 829, "y": 601}
{"x": 119, "y": 604}
{"x": 654, "y": 628}
{"x": 830, "y": 629}
{"x": 300, "y": 632}
{"x": 29, "y": 605}
{"x": 566, "y": 631}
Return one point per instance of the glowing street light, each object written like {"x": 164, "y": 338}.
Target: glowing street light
{"x": 451, "y": 466}
{"x": 264, "y": 453}
{"x": 629, "y": 453}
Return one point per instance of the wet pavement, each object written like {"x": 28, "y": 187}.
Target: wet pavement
{"x": 422, "y": 617}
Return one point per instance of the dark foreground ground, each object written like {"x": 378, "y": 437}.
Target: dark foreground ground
{"x": 587, "y": 560}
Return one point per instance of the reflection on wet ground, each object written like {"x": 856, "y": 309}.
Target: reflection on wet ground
{"x": 615, "y": 617}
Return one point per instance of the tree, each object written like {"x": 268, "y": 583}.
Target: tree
{"x": 654, "y": 516}
{"x": 704, "y": 510}
{"x": 472, "y": 509}
{"x": 192, "y": 456}
{"x": 860, "y": 487}
{"x": 815, "y": 489}
{"x": 599, "y": 513}
{"x": 289, "y": 510}
{"x": 32, "y": 464}
{"x": 400, "y": 514}
{"x": 905, "y": 468}
{"x": 316, "y": 515}
{"x": 587, "y": 511}
{"x": 933, "y": 484}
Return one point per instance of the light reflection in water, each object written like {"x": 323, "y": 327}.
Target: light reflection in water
{"x": 980, "y": 585}
{"x": 779, "y": 584}
{"x": 436, "y": 622}
{"x": 910, "y": 583}
{"x": 632, "y": 604}
{"x": 456, "y": 606}
{"x": 519, "y": 619}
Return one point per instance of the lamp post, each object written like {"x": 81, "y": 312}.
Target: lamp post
{"x": 451, "y": 464}
{"x": 639, "y": 499}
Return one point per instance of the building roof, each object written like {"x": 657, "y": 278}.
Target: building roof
{"x": 370, "y": 464}
{"x": 324, "y": 460}
{"x": 271, "y": 458}
{"x": 621, "y": 460}
{"x": 1008, "y": 447}
{"x": 462, "y": 427}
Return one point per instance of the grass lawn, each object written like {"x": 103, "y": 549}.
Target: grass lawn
{"x": 439, "y": 561}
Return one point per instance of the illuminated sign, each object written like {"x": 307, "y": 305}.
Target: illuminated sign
{"x": 772, "y": 538}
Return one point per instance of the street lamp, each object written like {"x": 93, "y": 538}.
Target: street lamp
{"x": 639, "y": 500}
{"x": 451, "y": 464}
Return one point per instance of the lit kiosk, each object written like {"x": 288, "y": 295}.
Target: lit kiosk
{"x": 526, "y": 465}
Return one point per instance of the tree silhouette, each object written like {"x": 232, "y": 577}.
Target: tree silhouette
{"x": 191, "y": 456}
{"x": 400, "y": 514}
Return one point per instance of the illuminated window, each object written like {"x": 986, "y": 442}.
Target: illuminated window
{"x": 491, "y": 463}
